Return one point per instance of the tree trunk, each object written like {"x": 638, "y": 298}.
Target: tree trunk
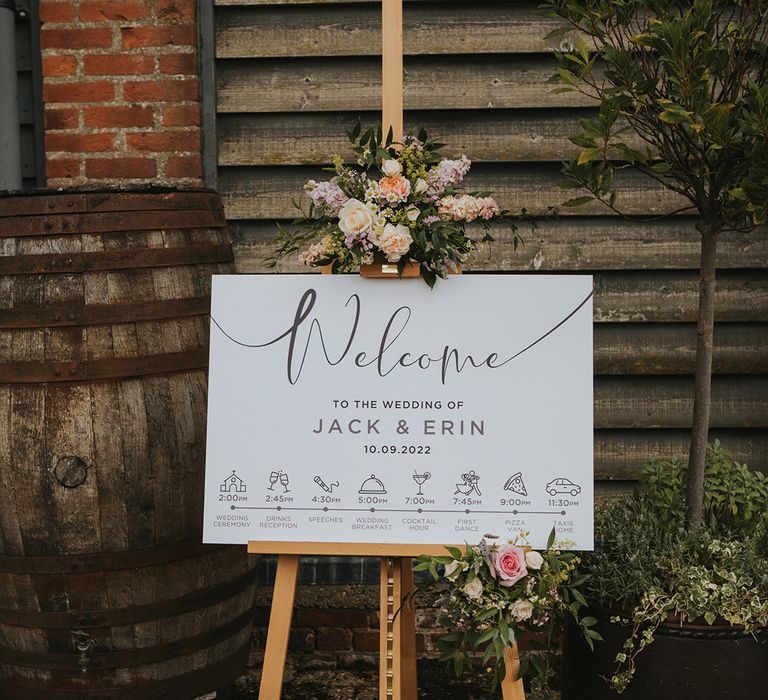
{"x": 702, "y": 392}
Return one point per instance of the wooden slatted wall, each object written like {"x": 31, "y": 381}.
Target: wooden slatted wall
{"x": 291, "y": 75}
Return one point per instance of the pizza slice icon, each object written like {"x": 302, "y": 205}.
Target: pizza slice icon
{"x": 515, "y": 484}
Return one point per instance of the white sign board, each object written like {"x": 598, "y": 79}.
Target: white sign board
{"x": 344, "y": 409}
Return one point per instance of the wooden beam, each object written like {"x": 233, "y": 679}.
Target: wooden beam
{"x": 392, "y": 67}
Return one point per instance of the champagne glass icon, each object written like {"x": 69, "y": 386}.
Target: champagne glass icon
{"x": 420, "y": 479}
{"x": 273, "y": 477}
{"x": 284, "y": 482}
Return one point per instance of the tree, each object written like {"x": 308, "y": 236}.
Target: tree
{"x": 687, "y": 81}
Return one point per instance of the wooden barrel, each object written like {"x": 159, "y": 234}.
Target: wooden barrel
{"x": 105, "y": 589}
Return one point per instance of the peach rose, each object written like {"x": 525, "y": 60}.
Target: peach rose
{"x": 395, "y": 241}
{"x": 510, "y": 564}
{"x": 398, "y": 186}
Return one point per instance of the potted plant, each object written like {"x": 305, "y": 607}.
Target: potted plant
{"x": 683, "y": 611}
{"x": 682, "y": 96}
{"x": 689, "y": 82}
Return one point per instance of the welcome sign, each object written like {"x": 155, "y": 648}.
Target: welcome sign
{"x": 344, "y": 409}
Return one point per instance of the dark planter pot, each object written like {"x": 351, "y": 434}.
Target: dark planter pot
{"x": 688, "y": 662}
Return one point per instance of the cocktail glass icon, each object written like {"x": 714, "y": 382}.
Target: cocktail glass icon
{"x": 420, "y": 479}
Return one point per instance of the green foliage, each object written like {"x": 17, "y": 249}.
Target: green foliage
{"x": 735, "y": 497}
{"x": 689, "y": 81}
{"x": 647, "y": 565}
{"x": 485, "y": 614}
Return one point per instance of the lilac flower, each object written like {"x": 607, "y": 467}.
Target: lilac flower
{"x": 327, "y": 195}
{"x": 447, "y": 173}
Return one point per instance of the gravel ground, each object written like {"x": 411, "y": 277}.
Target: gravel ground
{"x": 358, "y": 681}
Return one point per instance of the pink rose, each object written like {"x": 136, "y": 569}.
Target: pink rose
{"x": 510, "y": 564}
{"x": 398, "y": 186}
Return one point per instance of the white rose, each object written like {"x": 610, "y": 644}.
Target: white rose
{"x": 354, "y": 217}
{"x": 521, "y": 610}
{"x": 391, "y": 167}
{"x": 421, "y": 186}
{"x": 474, "y": 589}
{"x": 533, "y": 560}
{"x": 395, "y": 241}
{"x": 451, "y": 569}
{"x": 412, "y": 213}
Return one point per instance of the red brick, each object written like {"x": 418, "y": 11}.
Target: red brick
{"x": 302, "y": 640}
{"x": 184, "y": 166}
{"x": 62, "y": 167}
{"x": 62, "y": 118}
{"x": 333, "y": 639}
{"x": 176, "y": 9}
{"x": 188, "y": 140}
{"x": 106, "y": 117}
{"x": 120, "y": 167}
{"x": 181, "y": 115}
{"x": 79, "y": 143}
{"x": 118, "y": 64}
{"x": 56, "y": 11}
{"x": 120, "y": 10}
{"x": 57, "y": 66}
{"x": 179, "y": 63}
{"x": 366, "y": 640}
{"x": 160, "y": 90}
{"x": 97, "y": 91}
{"x": 334, "y": 617}
{"x": 171, "y": 35}
{"x": 89, "y": 38}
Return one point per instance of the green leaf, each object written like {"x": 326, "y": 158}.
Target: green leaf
{"x": 484, "y": 637}
{"x": 588, "y": 154}
{"x": 578, "y": 201}
{"x": 551, "y": 538}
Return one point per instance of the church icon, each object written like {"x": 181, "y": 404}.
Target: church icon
{"x": 232, "y": 484}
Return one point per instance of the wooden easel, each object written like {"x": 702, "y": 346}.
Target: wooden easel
{"x": 397, "y": 635}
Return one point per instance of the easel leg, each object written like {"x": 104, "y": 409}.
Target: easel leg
{"x": 405, "y": 631}
{"x": 279, "y": 629}
{"x": 397, "y": 640}
{"x": 511, "y": 687}
{"x": 386, "y": 630}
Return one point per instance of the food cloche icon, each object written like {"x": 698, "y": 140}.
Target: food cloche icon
{"x": 372, "y": 485}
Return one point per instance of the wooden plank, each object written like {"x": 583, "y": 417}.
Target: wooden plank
{"x": 355, "y": 30}
{"x": 673, "y": 296}
{"x": 347, "y": 549}
{"x": 481, "y": 135}
{"x": 572, "y": 243}
{"x": 619, "y": 454}
{"x": 670, "y": 348}
{"x": 269, "y": 193}
{"x": 667, "y": 402}
{"x": 321, "y": 84}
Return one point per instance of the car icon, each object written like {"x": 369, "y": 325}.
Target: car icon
{"x": 563, "y": 486}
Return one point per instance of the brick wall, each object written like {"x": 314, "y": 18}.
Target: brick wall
{"x": 121, "y": 92}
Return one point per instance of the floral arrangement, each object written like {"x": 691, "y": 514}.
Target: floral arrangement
{"x": 397, "y": 203}
{"x": 491, "y": 593}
